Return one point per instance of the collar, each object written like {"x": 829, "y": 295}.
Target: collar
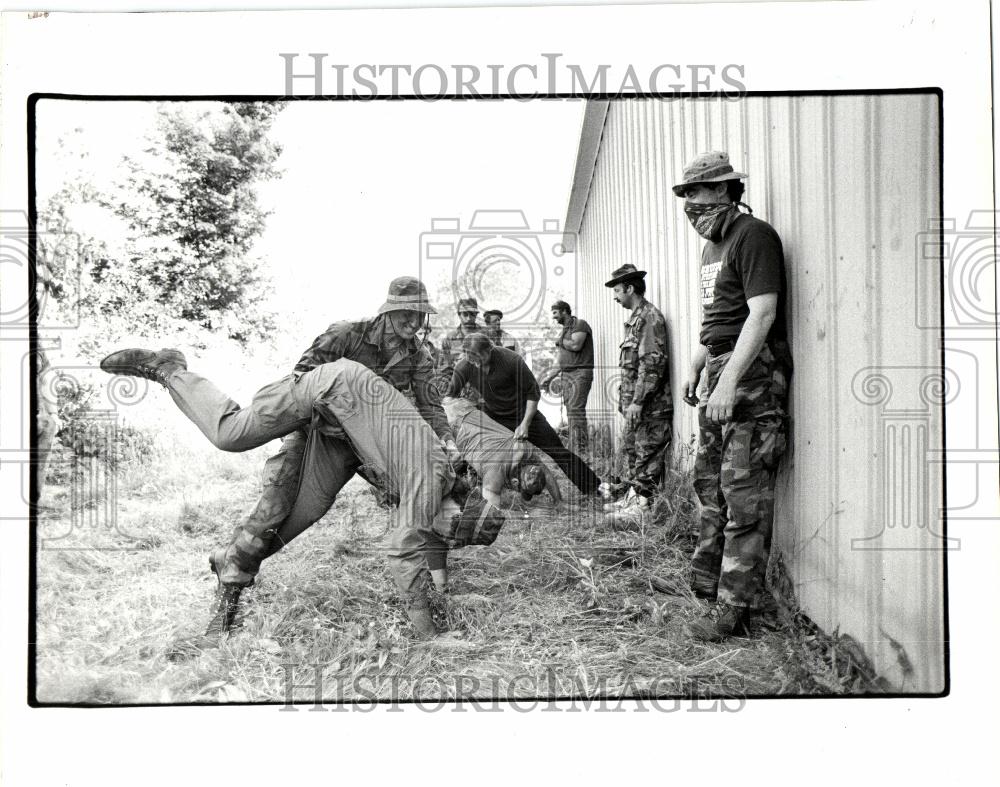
{"x": 635, "y": 312}
{"x": 377, "y": 332}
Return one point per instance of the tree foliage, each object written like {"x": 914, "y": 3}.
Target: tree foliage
{"x": 167, "y": 246}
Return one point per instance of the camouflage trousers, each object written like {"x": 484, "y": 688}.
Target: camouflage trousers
{"x": 735, "y": 473}
{"x": 646, "y": 447}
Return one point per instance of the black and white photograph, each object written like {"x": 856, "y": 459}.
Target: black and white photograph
{"x": 540, "y": 384}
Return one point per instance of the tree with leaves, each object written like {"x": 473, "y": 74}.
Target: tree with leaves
{"x": 174, "y": 252}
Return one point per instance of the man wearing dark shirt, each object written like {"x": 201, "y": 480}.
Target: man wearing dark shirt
{"x": 743, "y": 366}
{"x": 575, "y": 368}
{"x": 510, "y": 397}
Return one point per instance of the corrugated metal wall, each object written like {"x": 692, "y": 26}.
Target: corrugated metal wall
{"x": 848, "y": 182}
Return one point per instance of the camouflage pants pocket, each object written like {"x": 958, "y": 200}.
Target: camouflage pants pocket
{"x": 771, "y": 440}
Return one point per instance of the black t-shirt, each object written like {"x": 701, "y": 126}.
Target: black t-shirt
{"x": 584, "y": 359}
{"x": 747, "y": 262}
{"x": 507, "y": 387}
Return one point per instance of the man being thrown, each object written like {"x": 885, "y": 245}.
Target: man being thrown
{"x": 398, "y": 449}
{"x": 510, "y": 397}
{"x": 386, "y": 344}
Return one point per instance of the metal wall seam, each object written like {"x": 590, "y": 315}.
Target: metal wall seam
{"x": 817, "y": 172}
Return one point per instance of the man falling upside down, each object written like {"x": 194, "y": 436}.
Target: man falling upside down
{"x": 346, "y": 401}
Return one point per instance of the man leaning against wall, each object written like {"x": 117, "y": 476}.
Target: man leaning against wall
{"x": 743, "y": 365}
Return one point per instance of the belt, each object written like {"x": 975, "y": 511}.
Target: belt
{"x": 721, "y": 347}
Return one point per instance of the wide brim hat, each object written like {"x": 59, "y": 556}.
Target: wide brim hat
{"x": 711, "y": 167}
{"x": 627, "y": 272}
{"x": 407, "y": 294}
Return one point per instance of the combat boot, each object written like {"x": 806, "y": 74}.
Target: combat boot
{"x": 152, "y": 365}
{"x": 227, "y": 606}
{"x": 719, "y": 623}
{"x": 674, "y": 586}
{"x": 224, "y": 618}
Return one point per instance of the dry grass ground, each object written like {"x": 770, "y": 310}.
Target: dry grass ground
{"x": 558, "y": 606}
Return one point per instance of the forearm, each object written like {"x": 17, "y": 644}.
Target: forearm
{"x": 698, "y": 360}
{"x": 429, "y": 407}
{"x": 530, "y": 408}
{"x": 492, "y": 487}
{"x": 748, "y": 345}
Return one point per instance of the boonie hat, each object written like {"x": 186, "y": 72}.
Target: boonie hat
{"x": 711, "y": 167}
{"x": 407, "y": 294}
{"x": 468, "y": 305}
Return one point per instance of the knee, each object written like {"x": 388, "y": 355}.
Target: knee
{"x": 231, "y": 444}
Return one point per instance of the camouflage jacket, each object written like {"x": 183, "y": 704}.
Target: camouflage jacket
{"x": 410, "y": 366}
{"x": 449, "y": 355}
{"x": 645, "y": 376}
{"x": 451, "y": 349}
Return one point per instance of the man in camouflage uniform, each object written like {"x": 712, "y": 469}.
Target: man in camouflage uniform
{"x": 644, "y": 391}
{"x": 386, "y": 344}
{"x": 744, "y": 365}
{"x": 451, "y": 347}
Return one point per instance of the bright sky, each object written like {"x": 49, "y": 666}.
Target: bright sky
{"x": 362, "y": 181}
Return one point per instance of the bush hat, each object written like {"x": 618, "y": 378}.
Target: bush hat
{"x": 711, "y": 167}
{"x": 627, "y": 272}
{"x": 407, "y": 294}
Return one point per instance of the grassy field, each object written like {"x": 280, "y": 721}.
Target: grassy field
{"x": 558, "y": 606}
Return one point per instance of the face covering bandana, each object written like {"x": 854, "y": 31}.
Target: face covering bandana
{"x": 709, "y": 220}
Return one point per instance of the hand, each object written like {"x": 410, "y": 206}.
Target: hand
{"x": 632, "y": 414}
{"x": 521, "y": 433}
{"x": 692, "y": 383}
{"x": 452, "y": 450}
{"x": 722, "y": 402}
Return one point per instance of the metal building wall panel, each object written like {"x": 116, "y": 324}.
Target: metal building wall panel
{"x": 848, "y": 182}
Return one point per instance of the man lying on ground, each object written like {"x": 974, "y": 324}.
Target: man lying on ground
{"x": 510, "y": 397}
{"x": 498, "y": 458}
{"x": 382, "y": 430}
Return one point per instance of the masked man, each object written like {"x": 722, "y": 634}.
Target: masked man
{"x": 744, "y": 365}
